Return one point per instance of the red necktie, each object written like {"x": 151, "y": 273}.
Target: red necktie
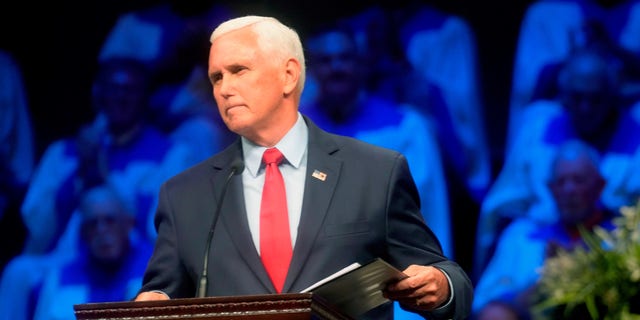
{"x": 275, "y": 241}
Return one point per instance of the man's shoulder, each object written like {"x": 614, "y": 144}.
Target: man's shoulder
{"x": 189, "y": 177}
{"x": 208, "y": 166}
{"x": 354, "y": 145}
{"x": 346, "y": 146}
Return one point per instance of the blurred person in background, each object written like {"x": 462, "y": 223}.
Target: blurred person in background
{"x": 576, "y": 184}
{"x": 120, "y": 147}
{"x": 441, "y": 49}
{"x": 171, "y": 38}
{"x": 588, "y": 106}
{"x": 110, "y": 261}
{"x": 551, "y": 30}
{"x": 17, "y": 155}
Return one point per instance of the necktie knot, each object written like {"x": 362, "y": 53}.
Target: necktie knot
{"x": 272, "y": 155}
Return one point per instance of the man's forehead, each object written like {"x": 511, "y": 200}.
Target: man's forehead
{"x": 232, "y": 48}
{"x": 103, "y": 209}
{"x": 579, "y": 165}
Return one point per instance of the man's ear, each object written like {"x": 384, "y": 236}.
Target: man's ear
{"x": 292, "y": 76}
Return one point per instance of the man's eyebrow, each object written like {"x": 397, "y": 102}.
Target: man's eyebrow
{"x": 236, "y": 67}
{"x": 214, "y": 75}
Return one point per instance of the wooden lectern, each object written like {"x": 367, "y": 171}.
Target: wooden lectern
{"x": 289, "y": 306}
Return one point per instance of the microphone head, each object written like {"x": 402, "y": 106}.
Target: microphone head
{"x": 237, "y": 166}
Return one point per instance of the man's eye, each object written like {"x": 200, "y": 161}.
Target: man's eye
{"x": 215, "y": 78}
{"x": 238, "y": 69}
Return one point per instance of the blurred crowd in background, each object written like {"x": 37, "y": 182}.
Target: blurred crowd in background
{"x": 518, "y": 121}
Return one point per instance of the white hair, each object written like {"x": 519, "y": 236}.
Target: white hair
{"x": 573, "y": 150}
{"x": 272, "y": 36}
{"x": 106, "y": 193}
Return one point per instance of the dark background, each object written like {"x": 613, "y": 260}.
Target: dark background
{"x": 56, "y": 45}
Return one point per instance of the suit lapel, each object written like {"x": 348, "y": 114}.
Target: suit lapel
{"x": 235, "y": 222}
{"x": 319, "y": 188}
{"x": 234, "y": 215}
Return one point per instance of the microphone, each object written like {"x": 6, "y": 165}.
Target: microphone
{"x": 237, "y": 166}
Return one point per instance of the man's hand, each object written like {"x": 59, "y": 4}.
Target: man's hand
{"x": 151, "y": 295}
{"x": 425, "y": 288}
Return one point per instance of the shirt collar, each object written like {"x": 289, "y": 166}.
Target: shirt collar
{"x": 293, "y": 146}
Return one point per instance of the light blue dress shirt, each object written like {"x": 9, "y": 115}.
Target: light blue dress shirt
{"x": 294, "y": 148}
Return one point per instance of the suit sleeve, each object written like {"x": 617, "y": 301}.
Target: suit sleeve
{"x": 411, "y": 241}
{"x": 165, "y": 271}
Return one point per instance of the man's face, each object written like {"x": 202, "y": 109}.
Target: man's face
{"x": 122, "y": 96}
{"x": 334, "y": 61}
{"x": 588, "y": 97}
{"x": 576, "y": 189}
{"x": 248, "y": 83}
{"x": 105, "y": 230}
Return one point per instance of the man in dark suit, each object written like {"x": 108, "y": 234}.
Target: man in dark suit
{"x": 347, "y": 201}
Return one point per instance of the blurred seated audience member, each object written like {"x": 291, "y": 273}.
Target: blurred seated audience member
{"x": 119, "y": 148}
{"x": 551, "y": 29}
{"x": 546, "y": 86}
{"x": 172, "y": 38}
{"x": 588, "y": 107}
{"x": 110, "y": 262}
{"x": 441, "y": 48}
{"x": 344, "y": 106}
{"x": 376, "y": 31}
{"x": 576, "y": 185}
{"x": 17, "y": 155}
{"x": 390, "y": 74}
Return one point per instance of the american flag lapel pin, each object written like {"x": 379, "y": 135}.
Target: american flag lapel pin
{"x": 319, "y": 175}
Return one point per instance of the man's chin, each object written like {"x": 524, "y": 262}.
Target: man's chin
{"x": 236, "y": 128}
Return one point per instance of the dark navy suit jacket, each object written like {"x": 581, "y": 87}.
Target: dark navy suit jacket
{"x": 366, "y": 207}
